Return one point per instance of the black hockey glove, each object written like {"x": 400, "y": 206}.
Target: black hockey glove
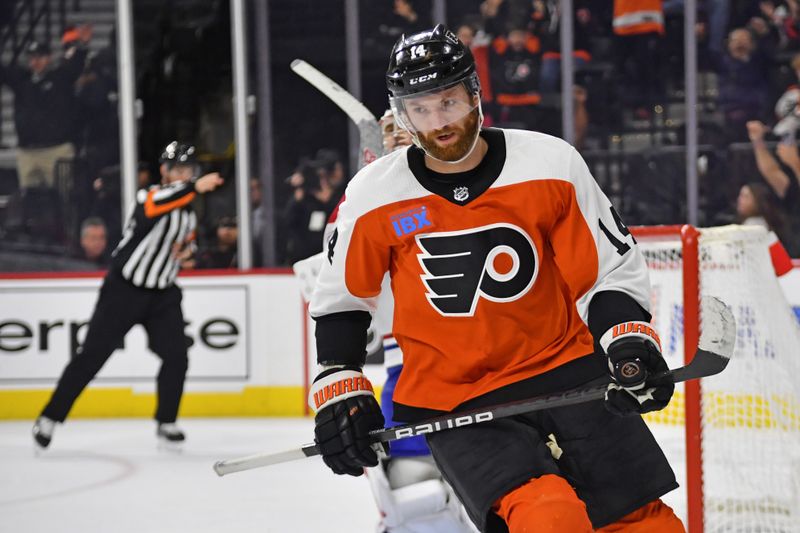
{"x": 634, "y": 359}
{"x": 346, "y": 412}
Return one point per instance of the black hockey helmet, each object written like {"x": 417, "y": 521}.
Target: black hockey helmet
{"x": 428, "y": 60}
{"x": 177, "y": 153}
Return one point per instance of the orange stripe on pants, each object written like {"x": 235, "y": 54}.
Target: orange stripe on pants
{"x": 543, "y": 505}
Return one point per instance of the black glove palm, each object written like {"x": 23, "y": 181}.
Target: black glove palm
{"x": 629, "y": 395}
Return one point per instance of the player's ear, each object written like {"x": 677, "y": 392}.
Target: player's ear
{"x": 164, "y": 170}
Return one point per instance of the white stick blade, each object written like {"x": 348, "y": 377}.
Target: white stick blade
{"x": 347, "y": 102}
{"x": 718, "y": 333}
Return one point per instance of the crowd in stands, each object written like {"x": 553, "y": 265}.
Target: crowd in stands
{"x": 65, "y": 118}
{"x": 629, "y": 85}
{"x": 629, "y": 76}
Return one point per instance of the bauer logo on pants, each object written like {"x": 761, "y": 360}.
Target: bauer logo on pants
{"x": 497, "y": 262}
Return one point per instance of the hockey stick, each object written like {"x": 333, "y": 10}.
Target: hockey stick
{"x": 369, "y": 131}
{"x": 712, "y": 356}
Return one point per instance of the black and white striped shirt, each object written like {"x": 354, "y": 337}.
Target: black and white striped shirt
{"x": 162, "y": 217}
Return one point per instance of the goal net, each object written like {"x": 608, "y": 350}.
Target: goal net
{"x": 739, "y": 431}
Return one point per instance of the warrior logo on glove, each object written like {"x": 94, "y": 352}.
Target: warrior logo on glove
{"x": 346, "y": 413}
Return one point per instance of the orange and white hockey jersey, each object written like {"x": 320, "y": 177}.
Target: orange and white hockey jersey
{"x": 492, "y": 278}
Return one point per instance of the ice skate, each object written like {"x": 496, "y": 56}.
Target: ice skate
{"x": 43, "y": 432}
{"x": 170, "y": 436}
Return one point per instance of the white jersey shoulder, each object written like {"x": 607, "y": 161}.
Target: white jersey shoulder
{"x": 384, "y": 181}
{"x": 531, "y": 155}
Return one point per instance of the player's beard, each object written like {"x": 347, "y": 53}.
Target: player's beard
{"x": 458, "y": 150}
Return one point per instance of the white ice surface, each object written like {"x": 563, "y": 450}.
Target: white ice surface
{"x": 107, "y": 476}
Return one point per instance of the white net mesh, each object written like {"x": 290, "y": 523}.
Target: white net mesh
{"x": 751, "y": 411}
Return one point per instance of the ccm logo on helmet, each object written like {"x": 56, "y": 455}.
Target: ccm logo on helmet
{"x": 423, "y": 79}
{"x": 498, "y": 262}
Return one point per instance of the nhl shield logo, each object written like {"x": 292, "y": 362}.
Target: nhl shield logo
{"x": 460, "y": 194}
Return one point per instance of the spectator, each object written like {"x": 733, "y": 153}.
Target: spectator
{"x": 94, "y": 243}
{"x": 258, "y": 220}
{"x": 766, "y": 35}
{"x": 480, "y": 48}
{"x": 96, "y": 91}
{"x": 105, "y": 202}
{"x": 718, "y": 20}
{"x": 514, "y": 63}
{"x": 783, "y": 180}
{"x": 495, "y": 15}
{"x": 44, "y": 110}
{"x": 466, "y": 34}
{"x": 717, "y": 16}
{"x": 407, "y": 17}
{"x": 306, "y": 215}
{"x": 791, "y": 25}
{"x": 756, "y": 206}
{"x": 581, "y": 95}
{"x": 330, "y": 168}
{"x": 795, "y": 64}
{"x": 639, "y": 28}
{"x": 743, "y": 84}
{"x": 297, "y": 177}
{"x": 222, "y": 253}
{"x": 144, "y": 175}
{"x": 546, "y": 26}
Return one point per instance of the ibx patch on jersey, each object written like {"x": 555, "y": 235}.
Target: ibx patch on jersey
{"x": 498, "y": 262}
{"x": 410, "y": 221}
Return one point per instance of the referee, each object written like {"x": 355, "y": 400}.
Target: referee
{"x": 140, "y": 289}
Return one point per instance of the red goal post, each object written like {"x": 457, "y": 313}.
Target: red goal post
{"x": 691, "y": 335}
{"x": 742, "y": 427}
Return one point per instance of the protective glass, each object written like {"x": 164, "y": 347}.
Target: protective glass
{"x": 435, "y": 109}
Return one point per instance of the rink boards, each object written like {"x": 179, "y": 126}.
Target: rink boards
{"x": 251, "y": 354}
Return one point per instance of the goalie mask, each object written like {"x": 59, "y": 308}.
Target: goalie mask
{"x": 435, "y": 93}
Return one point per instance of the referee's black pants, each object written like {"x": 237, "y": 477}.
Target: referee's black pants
{"x": 120, "y": 306}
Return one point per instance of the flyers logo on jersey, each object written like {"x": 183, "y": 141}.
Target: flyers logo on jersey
{"x": 410, "y": 221}
{"x": 497, "y": 262}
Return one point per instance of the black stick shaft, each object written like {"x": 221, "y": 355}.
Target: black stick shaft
{"x": 703, "y": 364}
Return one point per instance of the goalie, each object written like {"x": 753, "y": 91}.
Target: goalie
{"x": 512, "y": 277}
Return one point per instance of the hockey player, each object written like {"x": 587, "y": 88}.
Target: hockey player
{"x": 512, "y": 277}
{"x": 140, "y": 289}
{"x": 407, "y": 486}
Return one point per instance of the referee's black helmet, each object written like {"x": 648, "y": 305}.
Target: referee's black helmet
{"x": 178, "y": 153}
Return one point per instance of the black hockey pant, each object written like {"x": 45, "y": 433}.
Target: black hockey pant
{"x": 119, "y": 307}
